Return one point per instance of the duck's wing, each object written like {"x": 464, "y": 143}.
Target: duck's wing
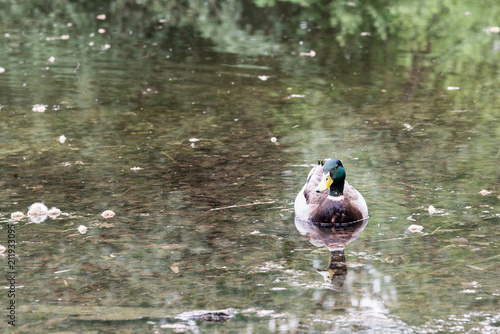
{"x": 307, "y": 199}
{"x": 356, "y": 199}
{"x": 314, "y": 179}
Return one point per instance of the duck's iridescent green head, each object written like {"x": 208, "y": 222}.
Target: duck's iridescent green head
{"x": 333, "y": 177}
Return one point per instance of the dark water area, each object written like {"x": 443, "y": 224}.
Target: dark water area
{"x": 197, "y": 125}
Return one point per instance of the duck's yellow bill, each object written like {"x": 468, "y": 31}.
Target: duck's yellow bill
{"x": 326, "y": 182}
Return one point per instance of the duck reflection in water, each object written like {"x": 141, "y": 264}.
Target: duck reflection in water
{"x": 335, "y": 238}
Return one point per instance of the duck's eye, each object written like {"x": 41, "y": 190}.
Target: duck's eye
{"x": 336, "y": 166}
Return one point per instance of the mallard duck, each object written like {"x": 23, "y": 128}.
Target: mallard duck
{"x": 341, "y": 205}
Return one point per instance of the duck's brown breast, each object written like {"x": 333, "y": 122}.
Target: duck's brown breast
{"x": 336, "y": 212}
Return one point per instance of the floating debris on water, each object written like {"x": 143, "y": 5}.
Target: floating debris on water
{"x": 136, "y": 168}
{"x": 431, "y": 209}
{"x": 39, "y": 108}
{"x": 101, "y": 17}
{"x": 453, "y": 88}
{"x": 2, "y": 249}
{"x": 192, "y": 141}
{"x": 473, "y": 284}
{"x": 263, "y": 77}
{"x": 82, "y": 229}
{"x": 2, "y": 69}
{"x": 204, "y": 315}
{"x": 54, "y": 38}
{"x": 37, "y": 209}
{"x": 62, "y": 271}
{"x": 294, "y": 96}
{"x": 311, "y": 54}
{"x": 51, "y": 59}
{"x": 54, "y": 212}
{"x": 240, "y": 205}
{"x": 172, "y": 246}
{"x": 37, "y": 212}
{"x": 108, "y": 214}
{"x": 101, "y": 31}
{"x": 16, "y": 215}
{"x": 485, "y": 192}
{"x": 468, "y": 291}
{"x": 408, "y": 127}
{"x": 415, "y": 228}
{"x": 62, "y": 139}
{"x": 175, "y": 268}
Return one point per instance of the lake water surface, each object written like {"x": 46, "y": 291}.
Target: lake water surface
{"x": 199, "y": 147}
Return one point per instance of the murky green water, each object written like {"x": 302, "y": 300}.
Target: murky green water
{"x": 169, "y": 122}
